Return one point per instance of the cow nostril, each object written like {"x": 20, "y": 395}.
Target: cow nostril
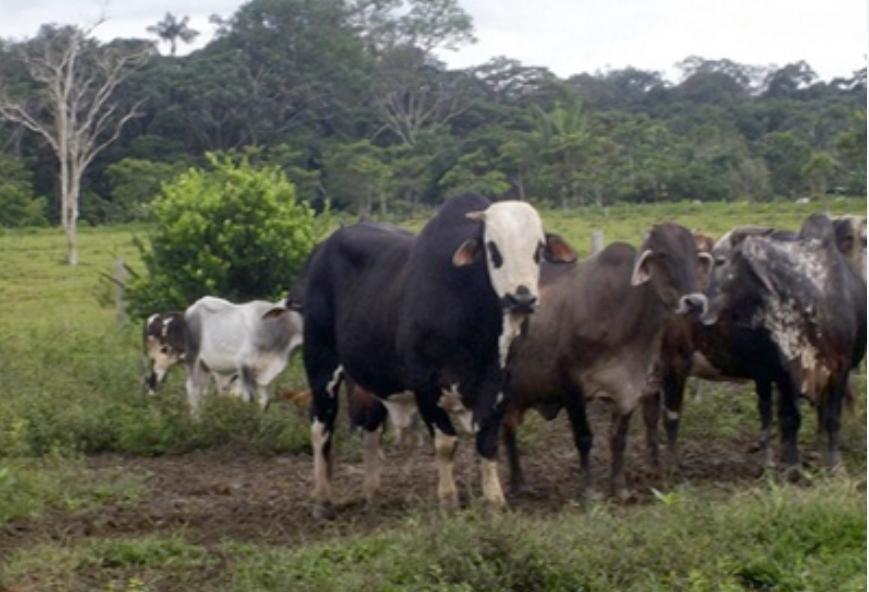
{"x": 523, "y": 290}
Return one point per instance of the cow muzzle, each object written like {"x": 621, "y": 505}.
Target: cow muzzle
{"x": 522, "y": 301}
{"x": 695, "y": 303}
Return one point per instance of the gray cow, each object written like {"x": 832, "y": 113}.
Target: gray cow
{"x": 241, "y": 346}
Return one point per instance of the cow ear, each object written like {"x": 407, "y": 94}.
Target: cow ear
{"x": 466, "y": 253}
{"x": 478, "y": 216}
{"x": 706, "y": 259}
{"x": 275, "y": 312}
{"x": 557, "y": 250}
{"x": 641, "y": 273}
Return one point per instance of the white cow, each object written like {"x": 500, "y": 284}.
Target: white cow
{"x": 243, "y": 347}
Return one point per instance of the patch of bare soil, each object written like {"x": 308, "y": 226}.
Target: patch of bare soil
{"x": 216, "y": 495}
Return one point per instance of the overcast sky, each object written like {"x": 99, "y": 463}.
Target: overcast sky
{"x": 568, "y": 36}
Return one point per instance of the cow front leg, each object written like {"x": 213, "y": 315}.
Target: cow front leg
{"x": 764, "y": 409}
{"x": 373, "y": 464}
{"x": 487, "y": 448}
{"x": 512, "y": 421}
{"x": 196, "y": 384}
{"x": 830, "y": 413}
{"x": 674, "y": 391}
{"x": 618, "y": 441}
{"x": 583, "y": 438}
{"x": 789, "y": 424}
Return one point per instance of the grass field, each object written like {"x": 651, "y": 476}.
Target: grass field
{"x": 70, "y": 389}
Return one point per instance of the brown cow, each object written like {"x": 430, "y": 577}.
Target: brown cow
{"x": 598, "y": 334}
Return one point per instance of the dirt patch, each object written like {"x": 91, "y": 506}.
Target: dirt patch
{"x": 216, "y": 495}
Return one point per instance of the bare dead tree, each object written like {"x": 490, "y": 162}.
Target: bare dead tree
{"x": 416, "y": 96}
{"x": 73, "y": 108}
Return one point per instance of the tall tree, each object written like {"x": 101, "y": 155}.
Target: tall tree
{"x": 72, "y": 106}
{"x": 172, "y": 30}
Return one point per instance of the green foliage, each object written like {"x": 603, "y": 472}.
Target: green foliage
{"x": 18, "y": 205}
{"x": 29, "y": 486}
{"x": 232, "y": 230}
{"x": 766, "y": 538}
{"x": 134, "y": 182}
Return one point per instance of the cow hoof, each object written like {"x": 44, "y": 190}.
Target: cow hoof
{"x": 449, "y": 503}
{"x": 623, "y": 495}
{"x": 795, "y": 474}
{"x": 323, "y": 512}
{"x": 522, "y": 491}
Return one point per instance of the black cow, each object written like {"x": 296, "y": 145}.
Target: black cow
{"x": 598, "y": 334}
{"x": 428, "y": 314}
{"x": 790, "y": 312}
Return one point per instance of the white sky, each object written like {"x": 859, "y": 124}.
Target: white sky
{"x": 568, "y": 36}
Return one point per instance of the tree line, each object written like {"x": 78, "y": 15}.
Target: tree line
{"x": 350, "y": 100}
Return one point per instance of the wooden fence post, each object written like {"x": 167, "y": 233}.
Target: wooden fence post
{"x": 596, "y": 241}
{"x": 120, "y": 274}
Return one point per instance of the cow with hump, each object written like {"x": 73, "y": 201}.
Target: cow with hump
{"x": 240, "y": 346}
{"x": 434, "y": 314}
{"x": 790, "y": 311}
{"x": 598, "y": 334}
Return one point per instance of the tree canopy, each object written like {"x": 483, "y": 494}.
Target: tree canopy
{"x": 349, "y": 99}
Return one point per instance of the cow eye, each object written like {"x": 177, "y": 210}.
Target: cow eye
{"x": 164, "y": 349}
{"x": 497, "y": 260}
{"x": 719, "y": 261}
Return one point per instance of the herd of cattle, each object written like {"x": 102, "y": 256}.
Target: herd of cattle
{"x": 483, "y": 315}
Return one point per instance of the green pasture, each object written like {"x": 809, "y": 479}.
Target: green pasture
{"x": 70, "y": 384}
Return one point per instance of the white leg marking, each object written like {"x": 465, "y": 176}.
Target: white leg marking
{"x": 445, "y": 451}
{"x": 492, "y": 491}
{"x": 672, "y": 415}
{"x": 373, "y": 464}
{"x": 319, "y": 438}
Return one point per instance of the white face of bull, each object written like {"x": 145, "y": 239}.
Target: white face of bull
{"x": 513, "y": 243}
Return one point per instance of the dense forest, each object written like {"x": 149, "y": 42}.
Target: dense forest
{"x": 349, "y": 98}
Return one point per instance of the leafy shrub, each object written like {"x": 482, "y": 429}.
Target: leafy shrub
{"x": 235, "y": 231}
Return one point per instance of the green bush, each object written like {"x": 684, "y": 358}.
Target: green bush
{"x": 234, "y": 230}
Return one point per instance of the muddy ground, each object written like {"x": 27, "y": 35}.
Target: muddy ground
{"x": 217, "y": 495}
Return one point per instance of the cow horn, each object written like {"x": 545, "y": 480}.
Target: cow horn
{"x": 479, "y": 216}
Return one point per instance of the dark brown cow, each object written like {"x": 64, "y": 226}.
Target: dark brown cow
{"x": 694, "y": 349}
{"x": 598, "y": 334}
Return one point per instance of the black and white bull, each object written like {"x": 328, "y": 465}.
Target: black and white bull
{"x": 434, "y": 314}
{"x": 239, "y": 346}
{"x": 598, "y": 334}
{"x": 789, "y": 311}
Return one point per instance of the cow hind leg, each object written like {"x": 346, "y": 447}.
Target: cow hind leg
{"x": 324, "y": 376}
{"x": 373, "y": 424}
{"x": 445, "y": 444}
{"x": 583, "y": 437}
{"x": 651, "y": 416}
